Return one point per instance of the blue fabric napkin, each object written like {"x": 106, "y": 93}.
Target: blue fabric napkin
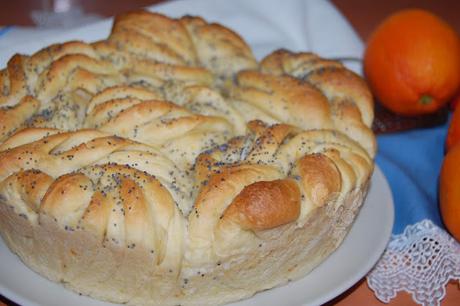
{"x": 411, "y": 162}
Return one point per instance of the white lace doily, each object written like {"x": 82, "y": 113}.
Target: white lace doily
{"x": 421, "y": 261}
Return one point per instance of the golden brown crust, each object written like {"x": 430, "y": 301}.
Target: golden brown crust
{"x": 321, "y": 178}
{"x": 16, "y": 86}
{"x": 13, "y": 118}
{"x": 349, "y": 98}
{"x": 160, "y": 30}
{"x": 284, "y": 98}
{"x": 30, "y": 185}
{"x": 67, "y": 197}
{"x": 265, "y": 204}
{"x": 219, "y": 49}
{"x": 96, "y": 215}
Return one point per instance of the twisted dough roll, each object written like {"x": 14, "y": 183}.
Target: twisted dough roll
{"x": 165, "y": 166}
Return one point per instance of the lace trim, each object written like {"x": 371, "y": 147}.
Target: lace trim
{"x": 421, "y": 261}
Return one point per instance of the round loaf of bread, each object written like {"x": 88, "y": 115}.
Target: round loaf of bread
{"x": 165, "y": 165}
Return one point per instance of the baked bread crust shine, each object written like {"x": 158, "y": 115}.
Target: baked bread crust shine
{"x": 165, "y": 165}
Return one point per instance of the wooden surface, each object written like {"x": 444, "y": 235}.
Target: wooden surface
{"x": 364, "y": 15}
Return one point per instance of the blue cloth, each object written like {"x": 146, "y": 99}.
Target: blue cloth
{"x": 5, "y": 30}
{"x": 411, "y": 161}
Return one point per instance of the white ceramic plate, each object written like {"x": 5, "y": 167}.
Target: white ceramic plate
{"x": 353, "y": 259}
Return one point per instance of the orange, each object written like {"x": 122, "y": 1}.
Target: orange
{"x": 412, "y": 62}
{"x": 453, "y": 133}
{"x": 449, "y": 191}
{"x": 455, "y": 101}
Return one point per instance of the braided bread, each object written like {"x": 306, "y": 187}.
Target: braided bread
{"x": 165, "y": 165}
